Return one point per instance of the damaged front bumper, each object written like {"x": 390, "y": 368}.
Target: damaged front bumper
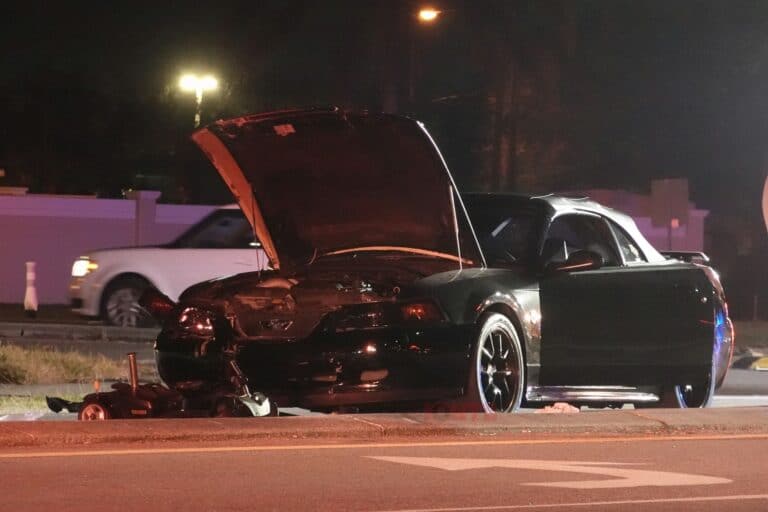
{"x": 390, "y": 365}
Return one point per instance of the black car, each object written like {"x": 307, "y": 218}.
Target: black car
{"x": 389, "y": 289}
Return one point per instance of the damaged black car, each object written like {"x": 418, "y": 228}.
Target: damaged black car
{"x": 387, "y": 289}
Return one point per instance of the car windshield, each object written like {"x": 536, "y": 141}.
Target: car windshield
{"x": 222, "y": 229}
{"x": 507, "y": 231}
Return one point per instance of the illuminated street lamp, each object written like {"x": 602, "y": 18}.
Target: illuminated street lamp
{"x": 193, "y": 83}
{"x": 428, "y": 14}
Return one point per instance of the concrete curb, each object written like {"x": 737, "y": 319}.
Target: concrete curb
{"x": 661, "y": 422}
{"x": 76, "y": 332}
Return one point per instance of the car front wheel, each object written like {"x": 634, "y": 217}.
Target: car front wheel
{"x": 121, "y": 303}
{"x": 497, "y": 377}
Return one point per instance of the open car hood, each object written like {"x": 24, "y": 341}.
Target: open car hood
{"x": 316, "y": 182}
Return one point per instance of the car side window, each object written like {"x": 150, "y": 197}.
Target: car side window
{"x": 629, "y": 249}
{"x": 576, "y": 232}
{"x": 226, "y": 229}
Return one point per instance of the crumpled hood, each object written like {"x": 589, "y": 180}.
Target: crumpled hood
{"x": 276, "y": 305}
{"x": 317, "y": 181}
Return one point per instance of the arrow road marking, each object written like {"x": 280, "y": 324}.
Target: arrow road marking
{"x": 622, "y": 477}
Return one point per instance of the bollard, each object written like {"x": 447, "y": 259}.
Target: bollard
{"x": 30, "y": 294}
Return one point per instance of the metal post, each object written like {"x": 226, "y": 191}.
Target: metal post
{"x": 134, "y": 372}
{"x": 199, "y": 101}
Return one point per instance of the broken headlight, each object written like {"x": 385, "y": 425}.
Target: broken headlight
{"x": 384, "y": 314}
{"x": 196, "y": 321}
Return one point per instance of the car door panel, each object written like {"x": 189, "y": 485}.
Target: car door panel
{"x": 624, "y": 325}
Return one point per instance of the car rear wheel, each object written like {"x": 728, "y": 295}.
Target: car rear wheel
{"x": 497, "y": 373}
{"x": 686, "y": 396}
{"x": 120, "y": 305}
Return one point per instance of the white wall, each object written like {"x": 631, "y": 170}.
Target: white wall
{"x": 54, "y": 230}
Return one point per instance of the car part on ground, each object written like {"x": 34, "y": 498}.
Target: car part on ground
{"x": 137, "y": 401}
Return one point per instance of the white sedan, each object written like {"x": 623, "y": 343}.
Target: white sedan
{"x": 107, "y": 283}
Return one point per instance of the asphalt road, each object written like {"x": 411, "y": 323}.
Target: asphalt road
{"x": 712, "y": 473}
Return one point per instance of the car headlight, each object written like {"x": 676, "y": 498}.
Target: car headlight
{"x": 196, "y": 321}
{"x": 83, "y": 266}
{"x": 383, "y": 314}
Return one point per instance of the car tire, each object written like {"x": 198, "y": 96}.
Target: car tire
{"x": 685, "y": 396}
{"x": 120, "y": 303}
{"x": 497, "y": 370}
{"x": 689, "y": 396}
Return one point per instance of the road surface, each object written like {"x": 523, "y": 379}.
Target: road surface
{"x": 706, "y": 473}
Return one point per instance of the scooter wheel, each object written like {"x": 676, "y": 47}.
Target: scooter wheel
{"x": 93, "y": 411}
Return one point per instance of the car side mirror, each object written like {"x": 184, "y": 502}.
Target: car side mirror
{"x": 578, "y": 261}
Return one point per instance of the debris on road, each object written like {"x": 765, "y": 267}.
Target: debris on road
{"x": 558, "y": 408}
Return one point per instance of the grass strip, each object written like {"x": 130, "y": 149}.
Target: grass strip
{"x": 46, "y": 365}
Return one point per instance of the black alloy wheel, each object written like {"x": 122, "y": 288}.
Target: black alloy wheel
{"x": 497, "y": 376}
{"x": 685, "y": 396}
{"x": 689, "y": 396}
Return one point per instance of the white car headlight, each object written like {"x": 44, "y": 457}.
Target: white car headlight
{"x": 83, "y": 266}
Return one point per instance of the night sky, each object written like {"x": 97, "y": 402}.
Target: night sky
{"x": 607, "y": 93}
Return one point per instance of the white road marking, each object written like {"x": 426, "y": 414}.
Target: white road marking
{"x": 360, "y": 446}
{"x": 623, "y": 477}
{"x": 735, "y": 497}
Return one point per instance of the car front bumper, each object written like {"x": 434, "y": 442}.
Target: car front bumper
{"x": 387, "y": 365}
{"x": 85, "y": 296}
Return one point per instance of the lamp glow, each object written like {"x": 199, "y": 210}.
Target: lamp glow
{"x": 198, "y": 85}
{"x": 428, "y": 15}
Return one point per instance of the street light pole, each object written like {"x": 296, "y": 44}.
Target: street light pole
{"x": 425, "y": 16}
{"x": 193, "y": 83}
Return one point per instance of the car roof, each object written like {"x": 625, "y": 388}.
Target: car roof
{"x": 554, "y": 204}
